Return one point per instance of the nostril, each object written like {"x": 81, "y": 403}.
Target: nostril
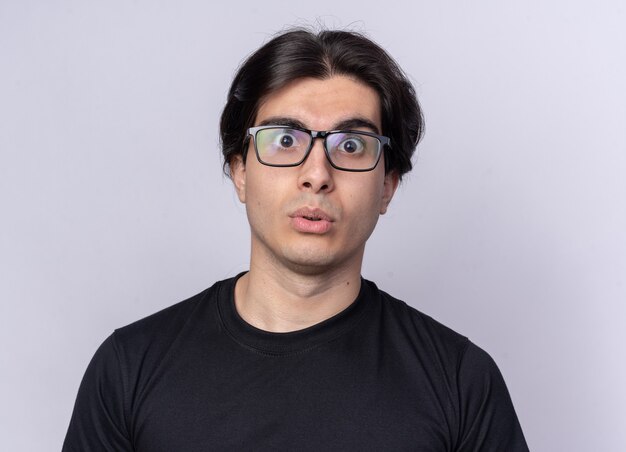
{"x": 307, "y": 184}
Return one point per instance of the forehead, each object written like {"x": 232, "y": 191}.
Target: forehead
{"x": 320, "y": 104}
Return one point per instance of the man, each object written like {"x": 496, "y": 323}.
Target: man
{"x": 301, "y": 353}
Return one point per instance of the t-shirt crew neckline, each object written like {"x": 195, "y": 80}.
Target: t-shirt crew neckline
{"x": 299, "y": 341}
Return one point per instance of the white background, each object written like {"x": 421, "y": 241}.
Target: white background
{"x": 511, "y": 229}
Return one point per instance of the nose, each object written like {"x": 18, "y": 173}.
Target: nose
{"x": 316, "y": 173}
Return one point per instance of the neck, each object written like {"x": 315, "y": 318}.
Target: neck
{"x": 282, "y": 300}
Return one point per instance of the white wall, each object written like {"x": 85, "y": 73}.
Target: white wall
{"x": 511, "y": 229}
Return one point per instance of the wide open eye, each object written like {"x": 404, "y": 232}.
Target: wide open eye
{"x": 282, "y": 145}
{"x": 280, "y": 139}
{"x": 353, "y": 150}
{"x": 284, "y": 139}
{"x": 348, "y": 144}
{"x": 351, "y": 145}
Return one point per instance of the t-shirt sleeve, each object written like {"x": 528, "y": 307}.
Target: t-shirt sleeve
{"x": 488, "y": 419}
{"x": 99, "y": 420}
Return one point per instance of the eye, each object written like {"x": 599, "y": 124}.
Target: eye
{"x": 280, "y": 140}
{"x": 285, "y": 140}
{"x": 351, "y": 145}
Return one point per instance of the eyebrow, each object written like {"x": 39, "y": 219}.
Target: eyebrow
{"x": 346, "y": 124}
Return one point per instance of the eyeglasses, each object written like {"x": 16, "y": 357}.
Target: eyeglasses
{"x": 346, "y": 150}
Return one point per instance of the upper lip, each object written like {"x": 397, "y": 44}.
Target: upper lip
{"x": 311, "y": 213}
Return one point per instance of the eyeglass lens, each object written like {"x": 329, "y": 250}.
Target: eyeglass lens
{"x": 285, "y": 146}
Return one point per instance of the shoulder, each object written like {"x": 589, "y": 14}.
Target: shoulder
{"x": 422, "y": 330}
{"x": 464, "y": 372}
{"x": 147, "y": 339}
{"x": 449, "y": 355}
{"x": 166, "y": 320}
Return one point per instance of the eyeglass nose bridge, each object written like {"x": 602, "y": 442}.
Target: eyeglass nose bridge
{"x": 321, "y": 134}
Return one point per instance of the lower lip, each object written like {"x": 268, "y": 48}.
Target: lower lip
{"x": 310, "y": 227}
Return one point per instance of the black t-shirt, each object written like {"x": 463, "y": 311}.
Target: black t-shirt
{"x": 377, "y": 376}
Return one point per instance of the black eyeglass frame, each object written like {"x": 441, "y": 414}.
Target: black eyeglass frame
{"x": 252, "y": 132}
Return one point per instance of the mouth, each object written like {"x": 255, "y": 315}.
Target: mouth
{"x": 312, "y": 214}
{"x": 311, "y": 221}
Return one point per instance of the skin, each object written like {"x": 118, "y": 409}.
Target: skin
{"x": 298, "y": 279}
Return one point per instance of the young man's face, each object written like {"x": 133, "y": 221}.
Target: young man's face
{"x": 281, "y": 201}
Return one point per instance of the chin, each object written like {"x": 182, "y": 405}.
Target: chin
{"x": 310, "y": 264}
{"x": 317, "y": 261}
{"x": 310, "y": 261}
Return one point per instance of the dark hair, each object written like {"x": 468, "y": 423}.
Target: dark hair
{"x": 300, "y": 53}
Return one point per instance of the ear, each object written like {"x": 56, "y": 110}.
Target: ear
{"x": 238, "y": 176}
{"x": 389, "y": 188}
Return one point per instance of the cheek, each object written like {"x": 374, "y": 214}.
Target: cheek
{"x": 367, "y": 194}
{"x": 365, "y": 205}
{"x": 256, "y": 202}
{"x": 262, "y": 197}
